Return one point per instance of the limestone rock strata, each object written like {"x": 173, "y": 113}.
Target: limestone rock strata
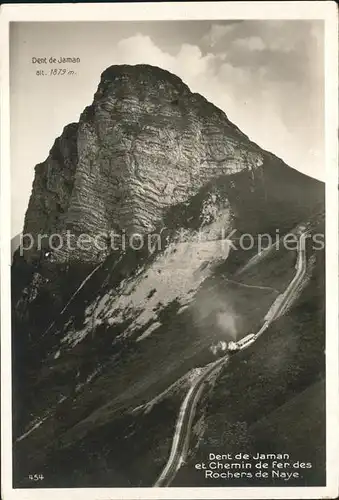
{"x": 145, "y": 143}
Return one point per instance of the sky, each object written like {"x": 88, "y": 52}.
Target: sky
{"x": 267, "y": 76}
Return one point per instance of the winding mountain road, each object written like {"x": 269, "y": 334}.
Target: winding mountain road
{"x": 181, "y": 438}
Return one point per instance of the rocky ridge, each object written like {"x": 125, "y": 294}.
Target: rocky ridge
{"x": 145, "y": 143}
{"x": 95, "y": 335}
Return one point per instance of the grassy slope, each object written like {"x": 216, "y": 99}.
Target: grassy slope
{"x": 179, "y": 344}
{"x": 128, "y": 450}
{"x": 285, "y": 361}
{"x": 299, "y": 427}
{"x": 134, "y": 373}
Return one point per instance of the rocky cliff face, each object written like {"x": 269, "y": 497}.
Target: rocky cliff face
{"x": 146, "y": 143}
{"x": 98, "y": 335}
{"x": 140, "y": 152}
{"x": 146, "y": 155}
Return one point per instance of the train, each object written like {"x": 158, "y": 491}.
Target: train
{"x": 236, "y": 346}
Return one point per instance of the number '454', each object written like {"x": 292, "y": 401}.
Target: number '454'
{"x": 35, "y": 477}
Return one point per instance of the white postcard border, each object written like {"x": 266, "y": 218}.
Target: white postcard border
{"x": 326, "y": 11}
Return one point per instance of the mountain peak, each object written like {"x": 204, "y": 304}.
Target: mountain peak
{"x": 142, "y": 73}
{"x": 145, "y": 144}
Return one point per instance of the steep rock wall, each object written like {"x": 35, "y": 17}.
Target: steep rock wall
{"x": 146, "y": 143}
